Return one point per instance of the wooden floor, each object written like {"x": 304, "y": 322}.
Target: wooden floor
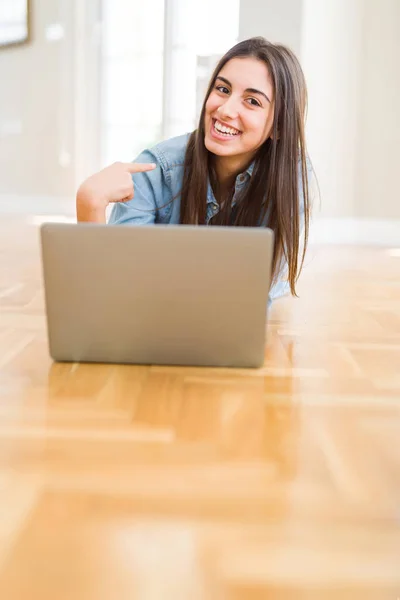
{"x": 125, "y": 483}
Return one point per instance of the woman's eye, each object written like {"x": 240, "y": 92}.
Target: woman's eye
{"x": 253, "y": 102}
{"x": 222, "y": 88}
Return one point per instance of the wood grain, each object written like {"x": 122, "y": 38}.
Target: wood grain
{"x": 171, "y": 483}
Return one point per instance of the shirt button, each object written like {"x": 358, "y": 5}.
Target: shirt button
{"x": 242, "y": 177}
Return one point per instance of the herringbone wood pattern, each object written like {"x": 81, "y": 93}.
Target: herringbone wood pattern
{"x": 124, "y": 482}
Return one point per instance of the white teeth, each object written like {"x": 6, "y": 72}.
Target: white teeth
{"x": 219, "y": 127}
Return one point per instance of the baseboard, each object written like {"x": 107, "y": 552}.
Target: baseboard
{"x": 370, "y": 232}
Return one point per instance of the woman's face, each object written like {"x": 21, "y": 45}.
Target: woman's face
{"x": 240, "y": 109}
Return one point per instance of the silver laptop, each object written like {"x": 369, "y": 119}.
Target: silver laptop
{"x": 165, "y": 295}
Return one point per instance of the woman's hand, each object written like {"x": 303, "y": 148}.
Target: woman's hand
{"x": 112, "y": 184}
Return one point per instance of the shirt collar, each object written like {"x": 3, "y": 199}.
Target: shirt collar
{"x": 250, "y": 169}
{"x": 210, "y": 194}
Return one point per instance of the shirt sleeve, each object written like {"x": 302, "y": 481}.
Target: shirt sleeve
{"x": 150, "y": 193}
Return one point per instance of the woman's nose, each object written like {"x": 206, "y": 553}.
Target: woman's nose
{"x": 228, "y": 109}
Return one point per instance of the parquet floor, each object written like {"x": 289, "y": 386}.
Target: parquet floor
{"x": 147, "y": 483}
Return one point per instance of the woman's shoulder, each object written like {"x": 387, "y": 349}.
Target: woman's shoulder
{"x": 171, "y": 153}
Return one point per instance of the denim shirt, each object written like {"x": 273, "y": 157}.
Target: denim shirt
{"x": 154, "y": 191}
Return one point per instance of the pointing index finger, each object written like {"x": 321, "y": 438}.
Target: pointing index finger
{"x": 140, "y": 167}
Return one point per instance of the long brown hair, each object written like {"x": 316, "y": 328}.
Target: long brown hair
{"x": 274, "y": 194}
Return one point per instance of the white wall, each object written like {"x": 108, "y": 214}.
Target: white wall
{"x": 276, "y": 20}
{"x": 36, "y": 108}
{"x": 331, "y": 55}
{"x": 378, "y": 147}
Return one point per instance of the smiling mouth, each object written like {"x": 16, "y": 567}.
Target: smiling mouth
{"x": 228, "y": 132}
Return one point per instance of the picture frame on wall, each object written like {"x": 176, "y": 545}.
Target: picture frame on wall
{"x": 15, "y": 19}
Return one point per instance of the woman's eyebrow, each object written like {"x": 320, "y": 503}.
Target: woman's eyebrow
{"x": 251, "y": 90}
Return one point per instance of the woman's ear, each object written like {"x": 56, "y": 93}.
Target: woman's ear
{"x": 271, "y": 134}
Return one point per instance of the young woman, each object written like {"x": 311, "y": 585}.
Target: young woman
{"x": 245, "y": 164}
